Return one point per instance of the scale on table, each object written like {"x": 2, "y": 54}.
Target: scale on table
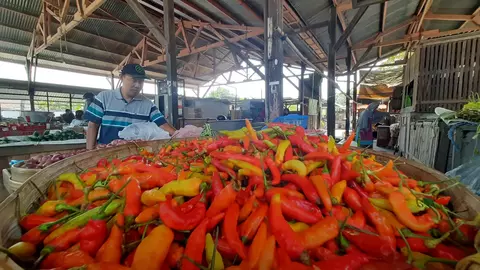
{"x": 164, "y": 100}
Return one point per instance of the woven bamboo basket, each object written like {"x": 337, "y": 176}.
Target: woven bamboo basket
{"x": 28, "y": 197}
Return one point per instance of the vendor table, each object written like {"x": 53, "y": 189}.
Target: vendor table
{"x": 26, "y": 150}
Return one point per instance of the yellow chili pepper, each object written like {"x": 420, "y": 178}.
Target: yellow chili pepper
{"x": 209, "y": 249}
{"x": 299, "y": 226}
{"x": 245, "y": 165}
{"x": 71, "y": 178}
{"x": 332, "y": 147}
{"x": 281, "y": 149}
{"x": 197, "y": 167}
{"x": 312, "y": 165}
{"x": 152, "y": 196}
{"x": 337, "y": 191}
{"x": 233, "y": 149}
{"x": 385, "y": 190}
{"x": 189, "y": 187}
{"x": 413, "y": 205}
{"x": 296, "y": 166}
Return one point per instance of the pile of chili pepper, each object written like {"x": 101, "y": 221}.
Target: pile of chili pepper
{"x": 273, "y": 199}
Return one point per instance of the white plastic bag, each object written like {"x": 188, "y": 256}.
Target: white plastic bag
{"x": 146, "y": 131}
{"x": 188, "y": 131}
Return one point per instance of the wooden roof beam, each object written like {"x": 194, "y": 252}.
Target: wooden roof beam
{"x": 83, "y": 12}
{"x": 418, "y": 36}
{"x": 149, "y": 22}
{"x": 447, "y": 17}
{"x": 474, "y": 15}
{"x": 383, "y": 21}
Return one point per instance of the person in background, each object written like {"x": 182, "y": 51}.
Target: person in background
{"x": 88, "y": 97}
{"x": 111, "y": 111}
{"x": 68, "y": 116}
{"x": 364, "y": 135}
{"x": 78, "y": 121}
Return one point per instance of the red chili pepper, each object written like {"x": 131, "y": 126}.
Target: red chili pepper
{"x": 288, "y": 154}
{"x": 223, "y": 168}
{"x": 347, "y": 172}
{"x": 225, "y": 249}
{"x": 64, "y": 241}
{"x": 357, "y": 220}
{"x": 177, "y": 220}
{"x": 195, "y": 246}
{"x": 36, "y": 236}
{"x": 230, "y": 230}
{"x": 323, "y": 254}
{"x": 282, "y": 231}
{"x": 190, "y": 204}
{"x": 352, "y": 199}
{"x": 358, "y": 189}
{"x": 377, "y": 218}
{"x": 444, "y": 200}
{"x": 273, "y": 170}
{"x": 448, "y": 252}
{"x": 219, "y": 144}
{"x": 214, "y": 221}
{"x": 222, "y": 201}
{"x": 217, "y": 184}
{"x": 247, "y": 208}
{"x": 133, "y": 204}
{"x": 260, "y": 145}
{"x": 103, "y": 163}
{"x": 93, "y": 235}
{"x": 336, "y": 169}
{"x": 350, "y": 261}
{"x": 377, "y": 246}
{"x": 318, "y": 156}
{"x": 416, "y": 244}
{"x": 66, "y": 260}
{"x": 307, "y": 187}
{"x": 347, "y": 143}
{"x": 31, "y": 221}
{"x": 301, "y": 144}
{"x": 225, "y": 156}
{"x": 295, "y": 211}
{"x": 251, "y": 224}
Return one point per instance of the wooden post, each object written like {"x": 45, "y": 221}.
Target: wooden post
{"x": 347, "y": 108}
{"x": 331, "y": 73}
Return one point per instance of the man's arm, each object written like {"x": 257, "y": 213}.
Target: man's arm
{"x": 168, "y": 128}
{"x": 92, "y": 133}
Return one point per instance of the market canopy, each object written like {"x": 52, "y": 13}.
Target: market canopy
{"x": 377, "y": 92}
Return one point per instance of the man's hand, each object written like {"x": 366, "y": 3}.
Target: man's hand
{"x": 168, "y": 128}
{"x": 92, "y": 133}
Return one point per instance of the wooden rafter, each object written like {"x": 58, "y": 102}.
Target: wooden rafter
{"x": 190, "y": 47}
{"x": 475, "y": 14}
{"x": 383, "y": 21}
{"x": 448, "y": 17}
{"x": 85, "y": 8}
{"x": 343, "y": 23}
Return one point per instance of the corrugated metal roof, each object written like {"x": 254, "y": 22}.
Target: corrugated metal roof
{"x": 103, "y": 43}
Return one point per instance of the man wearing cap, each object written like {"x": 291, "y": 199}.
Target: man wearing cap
{"x": 112, "y": 111}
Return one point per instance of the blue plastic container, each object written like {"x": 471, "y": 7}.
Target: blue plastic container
{"x": 293, "y": 119}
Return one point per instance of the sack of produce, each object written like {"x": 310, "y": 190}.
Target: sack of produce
{"x": 271, "y": 198}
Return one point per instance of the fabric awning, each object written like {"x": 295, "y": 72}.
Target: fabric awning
{"x": 377, "y": 92}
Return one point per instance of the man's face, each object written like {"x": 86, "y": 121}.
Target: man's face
{"x": 132, "y": 86}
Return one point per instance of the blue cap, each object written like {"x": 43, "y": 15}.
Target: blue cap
{"x": 135, "y": 71}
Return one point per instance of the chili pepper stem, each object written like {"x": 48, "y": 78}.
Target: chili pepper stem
{"x": 409, "y": 250}
{"x": 10, "y": 254}
{"x": 46, "y": 226}
{"x": 195, "y": 263}
{"x": 360, "y": 230}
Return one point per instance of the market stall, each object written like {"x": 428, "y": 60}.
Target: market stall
{"x": 311, "y": 192}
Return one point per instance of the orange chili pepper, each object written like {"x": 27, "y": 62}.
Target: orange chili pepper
{"x": 250, "y": 129}
{"x": 147, "y": 214}
{"x": 247, "y": 208}
{"x": 257, "y": 246}
{"x": 222, "y": 201}
{"x": 321, "y": 232}
{"x": 337, "y": 191}
{"x": 152, "y": 251}
{"x": 401, "y": 210}
{"x": 322, "y": 189}
{"x": 267, "y": 255}
{"x": 111, "y": 250}
{"x": 251, "y": 224}
{"x": 175, "y": 255}
{"x": 246, "y": 143}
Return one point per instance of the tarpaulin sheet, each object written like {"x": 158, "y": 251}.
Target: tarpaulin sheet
{"x": 378, "y": 92}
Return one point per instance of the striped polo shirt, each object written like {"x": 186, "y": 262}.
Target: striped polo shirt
{"x": 113, "y": 113}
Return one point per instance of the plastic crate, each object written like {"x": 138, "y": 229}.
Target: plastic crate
{"x": 293, "y": 119}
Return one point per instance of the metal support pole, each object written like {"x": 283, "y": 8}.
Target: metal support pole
{"x": 354, "y": 107}
{"x": 48, "y": 103}
{"x": 113, "y": 82}
{"x": 347, "y": 108}
{"x": 171, "y": 53}
{"x": 70, "y": 101}
{"x": 302, "y": 89}
{"x": 273, "y": 58}
{"x": 331, "y": 73}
